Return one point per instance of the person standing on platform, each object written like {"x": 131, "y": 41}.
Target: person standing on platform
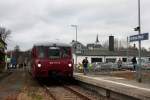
{"x": 85, "y": 65}
{"x": 119, "y": 63}
{"x": 134, "y": 62}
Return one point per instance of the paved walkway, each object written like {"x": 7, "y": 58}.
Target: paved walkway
{"x": 117, "y": 84}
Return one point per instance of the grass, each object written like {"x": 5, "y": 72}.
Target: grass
{"x": 34, "y": 95}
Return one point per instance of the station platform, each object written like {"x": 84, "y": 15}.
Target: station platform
{"x": 119, "y": 85}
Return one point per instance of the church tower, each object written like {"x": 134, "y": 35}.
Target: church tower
{"x": 97, "y": 40}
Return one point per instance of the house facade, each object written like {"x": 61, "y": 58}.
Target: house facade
{"x": 95, "y": 52}
{"x": 106, "y": 56}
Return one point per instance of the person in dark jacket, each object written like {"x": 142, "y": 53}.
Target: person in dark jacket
{"x": 119, "y": 62}
{"x": 85, "y": 65}
{"x": 134, "y": 62}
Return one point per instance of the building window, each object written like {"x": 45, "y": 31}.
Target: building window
{"x": 96, "y": 60}
{"x": 110, "y": 60}
{"x": 124, "y": 59}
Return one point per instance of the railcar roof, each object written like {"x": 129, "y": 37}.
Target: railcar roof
{"x": 53, "y": 44}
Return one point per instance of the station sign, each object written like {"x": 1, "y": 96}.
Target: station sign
{"x": 144, "y": 36}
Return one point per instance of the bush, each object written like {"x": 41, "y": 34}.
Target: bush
{"x": 90, "y": 66}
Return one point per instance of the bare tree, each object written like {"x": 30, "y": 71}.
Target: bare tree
{"x": 105, "y": 44}
{"x": 144, "y": 49}
{"x": 4, "y": 33}
{"x": 118, "y": 44}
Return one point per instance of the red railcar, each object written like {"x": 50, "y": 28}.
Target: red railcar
{"x": 52, "y": 58}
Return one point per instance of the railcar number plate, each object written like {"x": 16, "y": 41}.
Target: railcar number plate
{"x": 54, "y": 62}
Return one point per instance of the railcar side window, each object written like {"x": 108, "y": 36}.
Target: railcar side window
{"x": 41, "y": 52}
{"x": 33, "y": 52}
{"x": 65, "y": 52}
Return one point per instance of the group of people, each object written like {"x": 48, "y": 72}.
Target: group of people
{"x": 134, "y": 62}
{"x": 12, "y": 63}
{"x": 85, "y": 64}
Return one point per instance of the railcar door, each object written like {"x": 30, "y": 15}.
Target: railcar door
{"x": 54, "y": 56}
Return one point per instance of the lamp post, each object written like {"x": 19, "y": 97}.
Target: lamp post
{"x": 139, "y": 74}
{"x": 139, "y": 31}
{"x": 75, "y": 26}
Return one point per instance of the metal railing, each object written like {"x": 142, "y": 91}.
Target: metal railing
{"x": 111, "y": 68}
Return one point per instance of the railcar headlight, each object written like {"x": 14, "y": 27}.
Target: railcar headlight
{"x": 69, "y": 65}
{"x": 39, "y": 65}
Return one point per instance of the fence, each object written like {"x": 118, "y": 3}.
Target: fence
{"x": 98, "y": 68}
{"x": 112, "y": 69}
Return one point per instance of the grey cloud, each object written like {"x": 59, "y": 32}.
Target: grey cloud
{"x": 48, "y": 20}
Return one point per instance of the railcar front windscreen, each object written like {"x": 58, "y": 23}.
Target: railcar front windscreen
{"x": 54, "y": 52}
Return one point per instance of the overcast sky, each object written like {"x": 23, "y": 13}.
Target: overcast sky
{"x": 33, "y": 21}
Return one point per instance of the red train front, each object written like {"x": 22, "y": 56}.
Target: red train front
{"x": 52, "y": 58}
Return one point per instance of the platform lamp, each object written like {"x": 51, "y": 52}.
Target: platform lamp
{"x": 75, "y": 26}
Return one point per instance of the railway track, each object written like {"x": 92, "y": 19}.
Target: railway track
{"x": 84, "y": 97}
{"x": 64, "y": 92}
{"x": 61, "y": 90}
{"x": 49, "y": 92}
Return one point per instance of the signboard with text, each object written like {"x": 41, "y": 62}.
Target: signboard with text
{"x": 144, "y": 36}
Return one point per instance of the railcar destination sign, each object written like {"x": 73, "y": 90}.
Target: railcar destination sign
{"x": 144, "y": 36}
